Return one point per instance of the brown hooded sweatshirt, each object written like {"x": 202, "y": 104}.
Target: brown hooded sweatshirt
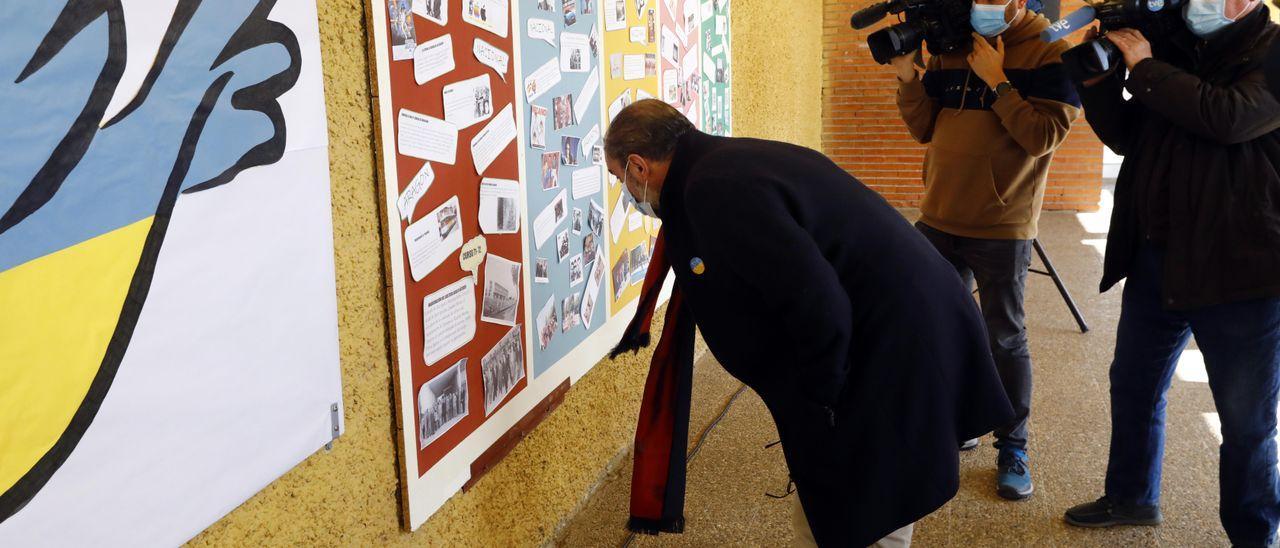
{"x": 988, "y": 157}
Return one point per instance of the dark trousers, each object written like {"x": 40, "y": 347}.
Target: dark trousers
{"x": 1241, "y": 347}
{"x": 1000, "y": 268}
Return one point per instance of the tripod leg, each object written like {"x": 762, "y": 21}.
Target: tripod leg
{"x": 1062, "y": 288}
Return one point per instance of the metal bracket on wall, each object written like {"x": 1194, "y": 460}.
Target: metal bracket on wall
{"x": 334, "y": 419}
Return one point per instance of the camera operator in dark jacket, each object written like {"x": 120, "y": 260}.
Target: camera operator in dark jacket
{"x": 1196, "y": 230}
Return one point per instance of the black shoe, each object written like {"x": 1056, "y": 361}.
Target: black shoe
{"x": 1105, "y": 513}
{"x": 969, "y": 445}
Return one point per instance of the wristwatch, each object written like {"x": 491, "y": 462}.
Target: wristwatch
{"x": 1003, "y": 88}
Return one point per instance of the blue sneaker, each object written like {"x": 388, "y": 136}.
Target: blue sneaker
{"x": 1014, "y": 479}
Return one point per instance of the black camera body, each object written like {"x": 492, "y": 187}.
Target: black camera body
{"x": 1154, "y": 18}
{"x": 944, "y": 24}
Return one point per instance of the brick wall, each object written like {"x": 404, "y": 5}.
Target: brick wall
{"x": 863, "y": 132}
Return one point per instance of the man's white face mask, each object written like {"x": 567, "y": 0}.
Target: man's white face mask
{"x": 642, "y": 204}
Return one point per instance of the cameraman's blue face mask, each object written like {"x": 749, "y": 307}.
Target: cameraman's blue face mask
{"x": 1206, "y": 17}
{"x": 989, "y": 20}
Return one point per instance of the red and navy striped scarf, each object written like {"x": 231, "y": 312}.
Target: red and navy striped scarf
{"x": 662, "y": 432}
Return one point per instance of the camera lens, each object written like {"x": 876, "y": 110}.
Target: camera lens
{"x": 895, "y": 40}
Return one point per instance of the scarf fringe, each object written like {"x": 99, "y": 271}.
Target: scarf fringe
{"x": 645, "y": 526}
{"x": 630, "y": 343}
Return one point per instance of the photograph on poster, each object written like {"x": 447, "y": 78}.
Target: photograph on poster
{"x": 436, "y": 11}
{"x": 652, "y": 26}
{"x": 569, "y": 150}
{"x": 592, "y": 291}
{"x": 537, "y": 126}
{"x": 570, "y": 8}
{"x": 639, "y": 263}
{"x": 501, "y": 290}
{"x": 640, "y": 6}
{"x": 595, "y": 219}
{"x": 593, "y": 41}
{"x": 615, "y": 16}
{"x": 490, "y": 15}
{"x": 403, "y": 37}
{"x": 550, "y": 170}
{"x": 499, "y": 206}
{"x": 541, "y": 271}
{"x": 575, "y": 270}
{"x": 576, "y": 224}
{"x": 588, "y": 248}
{"x": 501, "y": 369}
{"x": 588, "y": 7}
{"x": 562, "y": 245}
{"x": 621, "y": 270}
{"x": 547, "y": 323}
{"x": 650, "y": 65}
{"x": 615, "y": 65}
{"x": 597, "y": 155}
{"x": 562, "y": 107}
{"x": 569, "y": 310}
{"x": 442, "y": 403}
{"x": 545, "y": 5}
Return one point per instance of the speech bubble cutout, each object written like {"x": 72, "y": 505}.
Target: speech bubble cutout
{"x": 542, "y": 29}
{"x": 415, "y": 191}
{"x": 472, "y": 255}
{"x": 492, "y": 57}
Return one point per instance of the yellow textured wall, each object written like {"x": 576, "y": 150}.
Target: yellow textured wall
{"x": 349, "y": 496}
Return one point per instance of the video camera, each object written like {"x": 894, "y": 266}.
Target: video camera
{"x": 1094, "y": 58}
{"x": 943, "y": 23}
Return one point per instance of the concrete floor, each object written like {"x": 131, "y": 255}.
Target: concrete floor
{"x": 728, "y": 479}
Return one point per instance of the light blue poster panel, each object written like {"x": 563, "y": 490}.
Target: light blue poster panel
{"x": 564, "y": 175}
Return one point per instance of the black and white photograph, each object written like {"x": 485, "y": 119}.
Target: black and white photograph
{"x": 588, "y": 6}
{"x": 575, "y": 270}
{"x": 483, "y": 101}
{"x": 448, "y": 219}
{"x": 501, "y": 369}
{"x": 569, "y": 146}
{"x": 545, "y": 5}
{"x": 403, "y": 37}
{"x": 621, "y": 270}
{"x": 576, "y": 223}
{"x": 436, "y": 11}
{"x": 547, "y": 323}
{"x": 562, "y": 245}
{"x": 720, "y": 74}
{"x": 508, "y": 214}
{"x": 562, "y": 108}
{"x": 593, "y": 41}
{"x": 597, "y": 155}
{"x": 588, "y": 249}
{"x": 442, "y": 403}
{"x": 537, "y": 126}
{"x": 541, "y": 271}
{"x": 550, "y": 170}
{"x": 559, "y": 211}
{"x": 501, "y": 290}
{"x": 640, "y": 5}
{"x": 595, "y": 219}
{"x": 570, "y": 12}
{"x": 575, "y": 60}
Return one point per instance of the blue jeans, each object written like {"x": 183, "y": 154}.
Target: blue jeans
{"x": 1241, "y": 347}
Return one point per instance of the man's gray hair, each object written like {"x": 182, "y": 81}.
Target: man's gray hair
{"x": 647, "y": 127}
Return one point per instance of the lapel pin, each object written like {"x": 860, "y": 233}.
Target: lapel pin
{"x": 697, "y": 266}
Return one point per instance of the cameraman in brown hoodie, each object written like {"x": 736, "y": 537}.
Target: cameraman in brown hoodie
{"x": 992, "y": 119}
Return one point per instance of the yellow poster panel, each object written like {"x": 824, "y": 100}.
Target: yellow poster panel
{"x": 631, "y": 44}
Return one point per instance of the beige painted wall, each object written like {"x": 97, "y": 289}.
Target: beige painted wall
{"x": 349, "y": 496}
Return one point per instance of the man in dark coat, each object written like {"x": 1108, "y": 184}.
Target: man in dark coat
{"x": 862, "y": 341}
{"x": 1196, "y": 231}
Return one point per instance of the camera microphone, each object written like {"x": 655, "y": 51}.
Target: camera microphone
{"x": 870, "y": 15}
{"x": 1075, "y": 21}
